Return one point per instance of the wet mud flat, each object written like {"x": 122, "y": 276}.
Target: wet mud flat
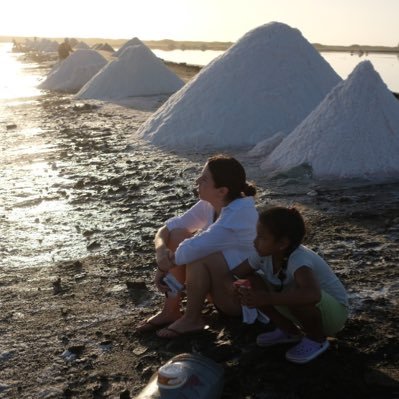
{"x": 82, "y": 200}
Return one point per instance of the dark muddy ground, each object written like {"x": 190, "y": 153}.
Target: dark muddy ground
{"x": 80, "y": 202}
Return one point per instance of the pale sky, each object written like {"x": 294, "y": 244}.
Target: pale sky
{"x": 324, "y": 21}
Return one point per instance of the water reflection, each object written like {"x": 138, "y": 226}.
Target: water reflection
{"x": 17, "y": 80}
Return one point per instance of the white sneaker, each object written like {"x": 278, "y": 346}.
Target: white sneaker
{"x": 276, "y": 337}
{"x": 306, "y": 351}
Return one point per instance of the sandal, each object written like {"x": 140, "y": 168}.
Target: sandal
{"x": 276, "y": 337}
{"x": 306, "y": 351}
{"x": 149, "y": 326}
{"x": 172, "y": 333}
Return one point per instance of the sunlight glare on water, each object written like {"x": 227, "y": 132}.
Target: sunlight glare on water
{"x": 15, "y": 81}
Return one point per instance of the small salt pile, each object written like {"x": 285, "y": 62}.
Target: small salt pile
{"x": 103, "y": 47}
{"x": 353, "y": 133}
{"x": 268, "y": 82}
{"x": 132, "y": 42}
{"x": 81, "y": 45}
{"x": 137, "y": 72}
{"x": 71, "y": 74}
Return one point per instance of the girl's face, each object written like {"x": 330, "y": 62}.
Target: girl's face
{"x": 206, "y": 186}
{"x": 266, "y": 244}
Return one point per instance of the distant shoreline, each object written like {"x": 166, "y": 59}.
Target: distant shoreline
{"x": 169, "y": 45}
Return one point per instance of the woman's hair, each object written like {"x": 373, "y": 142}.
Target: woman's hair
{"x": 284, "y": 222}
{"x": 228, "y": 172}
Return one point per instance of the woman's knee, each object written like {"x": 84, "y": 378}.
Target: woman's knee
{"x": 215, "y": 260}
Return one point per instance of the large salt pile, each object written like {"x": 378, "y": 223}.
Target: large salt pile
{"x": 71, "y": 74}
{"x": 137, "y": 72}
{"x": 268, "y": 82}
{"x": 132, "y": 42}
{"x": 353, "y": 133}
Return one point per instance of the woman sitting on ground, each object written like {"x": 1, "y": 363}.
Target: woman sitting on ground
{"x": 293, "y": 286}
{"x": 201, "y": 247}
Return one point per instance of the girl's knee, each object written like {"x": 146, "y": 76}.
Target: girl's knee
{"x": 304, "y": 310}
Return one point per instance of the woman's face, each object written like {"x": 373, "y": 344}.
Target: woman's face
{"x": 206, "y": 186}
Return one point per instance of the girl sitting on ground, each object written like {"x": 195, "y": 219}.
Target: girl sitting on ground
{"x": 292, "y": 285}
{"x": 202, "y": 246}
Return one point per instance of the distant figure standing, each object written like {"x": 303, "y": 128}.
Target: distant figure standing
{"x": 64, "y": 49}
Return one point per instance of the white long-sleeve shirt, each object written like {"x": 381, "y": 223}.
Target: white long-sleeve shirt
{"x": 232, "y": 233}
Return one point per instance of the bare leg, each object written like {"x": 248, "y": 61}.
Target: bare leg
{"x": 207, "y": 275}
{"x": 171, "y": 307}
{"x": 274, "y": 315}
{"x": 311, "y": 321}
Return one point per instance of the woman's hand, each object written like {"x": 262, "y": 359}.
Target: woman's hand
{"x": 162, "y": 287}
{"x": 253, "y": 298}
{"x": 165, "y": 259}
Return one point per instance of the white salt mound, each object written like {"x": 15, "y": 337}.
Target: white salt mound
{"x": 81, "y": 45}
{"x": 132, "y": 42}
{"x": 265, "y": 147}
{"x": 137, "y": 72}
{"x": 103, "y": 47}
{"x": 268, "y": 82}
{"x": 353, "y": 133}
{"x": 71, "y": 74}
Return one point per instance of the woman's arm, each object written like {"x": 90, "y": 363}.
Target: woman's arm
{"x": 305, "y": 292}
{"x": 164, "y": 255}
{"x": 216, "y": 239}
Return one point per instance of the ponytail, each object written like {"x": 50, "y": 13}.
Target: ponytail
{"x": 249, "y": 190}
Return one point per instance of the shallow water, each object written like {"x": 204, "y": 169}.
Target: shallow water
{"x": 17, "y": 80}
{"x": 70, "y": 184}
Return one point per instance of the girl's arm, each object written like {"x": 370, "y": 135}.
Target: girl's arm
{"x": 305, "y": 292}
{"x": 243, "y": 269}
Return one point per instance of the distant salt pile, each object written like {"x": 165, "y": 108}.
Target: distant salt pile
{"x": 132, "y": 42}
{"x": 268, "y": 82}
{"x": 82, "y": 46}
{"x": 72, "y": 74}
{"x": 103, "y": 47}
{"x": 137, "y": 72}
{"x": 353, "y": 133}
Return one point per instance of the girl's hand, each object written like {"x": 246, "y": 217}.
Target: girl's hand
{"x": 253, "y": 298}
{"x": 165, "y": 259}
{"x": 159, "y": 283}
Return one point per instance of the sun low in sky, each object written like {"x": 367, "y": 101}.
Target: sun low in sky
{"x": 343, "y": 22}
